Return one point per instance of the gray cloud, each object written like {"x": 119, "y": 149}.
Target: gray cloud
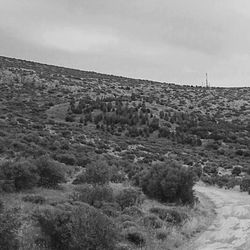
{"x": 167, "y": 40}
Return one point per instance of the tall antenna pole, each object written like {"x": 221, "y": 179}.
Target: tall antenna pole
{"x": 207, "y": 83}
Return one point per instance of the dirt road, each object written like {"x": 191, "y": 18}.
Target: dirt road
{"x": 231, "y": 227}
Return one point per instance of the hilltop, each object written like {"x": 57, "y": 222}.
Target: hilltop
{"x": 71, "y": 120}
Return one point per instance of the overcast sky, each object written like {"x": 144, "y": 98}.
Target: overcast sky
{"x": 166, "y": 40}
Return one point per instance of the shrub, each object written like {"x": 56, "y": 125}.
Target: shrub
{"x": 10, "y": 223}
{"x": 236, "y": 171}
{"x": 110, "y": 209}
{"x": 245, "y": 184}
{"x": 168, "y": 183}
{"x": 69, "y": 118}
{"x": 210, "y": 169}
{"x": 68, "y": 159}
{"x": 197, "y": 169}
{"x": 36, "y": 199}
{"x": 223, "y": 181}
{"x": 122, "y": 246}
{"x": 98, "y": 173}
{"x": 83, "y": 161}
{"x": 135, "y": 236}
{"x": 127, "y": 224}
{"x": 21, "y": 174}
{"x": 1, "y": 206}
{"x": 162, "y": 213}
{"x": 152, "y": 221}
{"x": 117, "y": 175}
{"x": 25, "y": 175}
{"x": 125, "y": 217}
{"x": 169, "y": 215}
{"x": 51, "y": 173}
{"x": 80, "y": 179}
{"x": 133, "y": 211}
{"x": 94, "y": 195}
{"x": 128, "y": 197}
{"x": 162, "y": 234}
{"x": 7, "y": 186}
{"x": 208, "y": 180}
{"x": 77, "y": 227}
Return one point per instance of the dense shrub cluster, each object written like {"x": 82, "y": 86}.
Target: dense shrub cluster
{"x": 26, "y": 174}
{"x": 18, "y": 175}
{"x": 10, "y": 223}
{"x": 168, "y": 182}
{"x": 77, "y": 227}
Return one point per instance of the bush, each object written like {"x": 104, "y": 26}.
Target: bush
{"x": 162, "y": 234}
{"x": 224, "y": 181}
{"x": 111, "y": 209}
{"x": 77, "y": 227}
{"x": 168, "y": 183}
{"x": 125, "y": 217}
{"x": 25, "y": 175}
{"x": 1, "y": 206}
{"x": 94, "y": 195}
{"x": 197, "y": 169}
{"x": 67, "y": 159}
{"x": 208, "y": 180}
{"x": 128, "y": 224}
{"x": 152, "y": 221}
{"x": 117, "y": 175}
{"x": 169, "y": 215}
{"x": 20, "y": 175}
{"x": 98, "y": 173}
{"x": 210, "y": 169}
{"x": 133, "y": 211}
{"x": 36, "y": 199}
{"x": 128, "y": 197}
{"x": 236, "y": 171}
{"x": 80, "y": 179}
{"x": 245, "y": 184}
{"x": 135, "y": 236}
{"x": 83, "y": 161}
{"x": 10, "y": 223}
{"x": 7, "y": 186}
{"x": 51, "y": 173}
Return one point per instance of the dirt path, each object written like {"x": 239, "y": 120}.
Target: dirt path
{"x": 231, "y": 227}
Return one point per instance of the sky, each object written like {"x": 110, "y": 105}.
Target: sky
{"x": 164, "y": 40}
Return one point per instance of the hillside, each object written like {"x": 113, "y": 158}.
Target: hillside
{"x": 75, "y": 117}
